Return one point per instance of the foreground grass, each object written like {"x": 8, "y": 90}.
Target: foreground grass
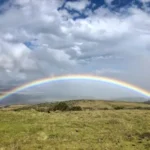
{"x": 93, "y": 130}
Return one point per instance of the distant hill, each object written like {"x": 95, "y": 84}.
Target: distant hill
{"x": 21, "y": 99}
{"x": 147, "y": 102}
{"x": 34, "y": 99}
{"x": 84, "y": 104}
{"x": 132, "y": 99}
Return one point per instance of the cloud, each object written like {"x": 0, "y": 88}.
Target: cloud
{"x": 109, "y": 1}
{"x": 77, "y": 5}
{"x": 145, "y": 0}
{"x": 38, "y": 40}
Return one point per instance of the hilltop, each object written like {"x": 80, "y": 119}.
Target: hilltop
{"x": 83, "y": 103}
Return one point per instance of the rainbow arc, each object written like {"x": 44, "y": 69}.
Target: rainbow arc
{"x": 76, "y": 77}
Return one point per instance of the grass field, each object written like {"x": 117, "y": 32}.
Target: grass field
{"x": 90, "y": 129}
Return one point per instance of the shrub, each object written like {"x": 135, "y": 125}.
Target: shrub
{"x": 22, "y": 108}
{"x": 105, "y": 108}
{"x": 61, "y": 106}
{"x": 118, "y": 107}
{"x": 138, "y": 107}
{"x": 50, "y": 109}
{"x": 145, "y": 108}
{"x": 6, "y": 106}
{"x": 75, "y": 108}
{"x": 41, "y": 109}
{"x": 142, "y": 108}
{"x": 88, "y": 108}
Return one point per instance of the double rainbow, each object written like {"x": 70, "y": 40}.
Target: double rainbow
{"x": 76, "y": 77}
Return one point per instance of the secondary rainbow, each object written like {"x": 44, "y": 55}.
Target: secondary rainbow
{"x": 77, "y": 77}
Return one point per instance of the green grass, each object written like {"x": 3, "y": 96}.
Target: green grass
{"x": 77, "y": 130}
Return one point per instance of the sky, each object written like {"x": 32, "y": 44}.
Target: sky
{"x": 43, "y": 38}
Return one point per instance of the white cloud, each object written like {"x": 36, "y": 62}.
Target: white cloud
{"x": 109, "y": 1}
{"x": 77, "y": 5}
{"x": 21, "y": 2}
{"x": 145, "y": 1}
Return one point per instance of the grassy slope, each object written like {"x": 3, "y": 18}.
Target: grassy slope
{"x": 97, "y": 129}
{"x": 85, "y": 104}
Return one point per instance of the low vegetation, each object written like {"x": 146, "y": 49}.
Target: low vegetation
{"x": 62, "y": 106}
{"x": 75, "y": 108}
{"x": 79, "y": 105}
{"x": 118, "y": 107}
{"x": 99, "y": 126}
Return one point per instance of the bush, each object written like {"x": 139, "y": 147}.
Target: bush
{"x": 88, "y": 108}
{"x": 138, "y": 107}
{"x": 50, "y": 109}
{"x": 41, "y": 109}
{"x": 105, "y": 108}
{"x": 75, "y": 108}
{"x": 118, "y": 107}
{"x": 62, "y": 106}
{"x": 142, "y": 108}
{"x": 22, "y": 108}
{"x": 6, "y": 106}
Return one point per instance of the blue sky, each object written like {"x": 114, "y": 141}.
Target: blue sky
{"x": 46, "y": 38}
{"x": 113, "y": 5}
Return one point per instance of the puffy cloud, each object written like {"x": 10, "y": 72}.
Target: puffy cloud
{"x": 77, "y": 5}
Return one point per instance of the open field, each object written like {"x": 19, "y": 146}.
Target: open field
{"x": 93, "y": 128}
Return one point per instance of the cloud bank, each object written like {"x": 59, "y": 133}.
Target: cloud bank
{"x": 46, "y": 38}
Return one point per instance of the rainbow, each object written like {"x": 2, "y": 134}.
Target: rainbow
{"x": 76, "y": 77}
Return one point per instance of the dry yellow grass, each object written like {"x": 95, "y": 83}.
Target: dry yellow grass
{"x": 97, "y": 129}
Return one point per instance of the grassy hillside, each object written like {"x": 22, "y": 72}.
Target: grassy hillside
{"x": 85, "y": 104}
{"x": 92, "y": 128}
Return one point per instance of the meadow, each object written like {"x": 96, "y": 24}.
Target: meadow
{"x": 101, "y": 125}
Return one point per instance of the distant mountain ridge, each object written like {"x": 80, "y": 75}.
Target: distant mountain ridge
{"x": 132, "y": 99}
{"x": 147, "y": 102}
{"x": 32, "y": 99}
